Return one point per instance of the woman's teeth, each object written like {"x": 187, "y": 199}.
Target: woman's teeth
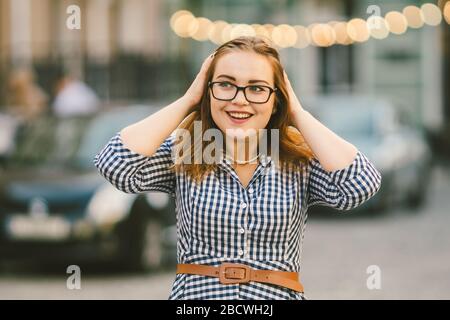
{"x": 239, "y": 115}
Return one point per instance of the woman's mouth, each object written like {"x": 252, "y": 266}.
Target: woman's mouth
{"x": 239, "y": 117}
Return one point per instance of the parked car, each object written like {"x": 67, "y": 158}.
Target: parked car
{"x": 55, "y": 206}
{"x": 398, "y": 150}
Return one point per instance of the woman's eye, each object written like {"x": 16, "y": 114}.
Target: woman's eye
{"x": 257, "y": 89}
{"x": 224, "y": 84}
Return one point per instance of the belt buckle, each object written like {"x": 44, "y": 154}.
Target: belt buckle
{"x": 228, "y": 276}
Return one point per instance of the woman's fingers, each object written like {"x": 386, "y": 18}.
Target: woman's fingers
{"x": 206, "y": 63}
{"x": 196, "y": 89}
{"x": 209, "y": 58}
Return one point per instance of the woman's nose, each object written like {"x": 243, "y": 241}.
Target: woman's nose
{"x": 240, "y": 98}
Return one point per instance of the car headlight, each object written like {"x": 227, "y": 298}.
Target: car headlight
{"x": 109, "y": 205}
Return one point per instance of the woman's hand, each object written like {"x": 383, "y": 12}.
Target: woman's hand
{"x": 195, "y": 92}
{"x": 294, "y": 104}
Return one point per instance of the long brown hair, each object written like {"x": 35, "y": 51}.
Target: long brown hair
{"x": 292, "y": 146}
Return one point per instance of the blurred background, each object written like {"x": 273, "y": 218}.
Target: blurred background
{"x": 73, "y": 73}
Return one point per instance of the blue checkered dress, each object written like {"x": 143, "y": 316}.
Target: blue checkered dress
{"x": 219, "y": 220}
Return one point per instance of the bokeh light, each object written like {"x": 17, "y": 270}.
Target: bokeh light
{"x": 303, "y": 37}
{"x": 397, "y": 22}
{"x": 340, "y": 29}
{"x": 378, "y": 27}
{"x": 185, "y": 24}
{"x": 241, "y": 30}
{"x": 357, "y": 30}
{"x": 284, "y": 36}
{"x": 215, "y": 31}
{"x": 431, "y": 14}
{"x": 204, "y": 25}
{"x": 447, "y": 12}
{"x": 323, "y": 35}
{"x": 413, "y": 16}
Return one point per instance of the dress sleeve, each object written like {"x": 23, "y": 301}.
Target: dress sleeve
{"x": 343, "y": 189}
{"x": 132, "y": 172}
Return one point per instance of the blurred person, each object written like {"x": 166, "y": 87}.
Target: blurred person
{"x": 73, "y": 98}
{"x": 240, "y": 228}
{"x": 26, "y": 100}
{"x": 8, "y": 128}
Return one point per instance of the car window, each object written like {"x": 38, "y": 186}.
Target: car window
{"x": 349, "y": 122}
{"x": 70, "y": 142}
{"x": 47, "y": 141}
{"x": 103, "y": 127}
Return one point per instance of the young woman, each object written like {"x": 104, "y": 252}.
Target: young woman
{"x": 240, "y": 220}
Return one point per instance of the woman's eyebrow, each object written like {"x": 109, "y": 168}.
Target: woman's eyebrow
{"x": 234, "y": 79}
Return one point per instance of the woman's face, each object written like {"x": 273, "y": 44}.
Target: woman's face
{"x": 242, "y": 68}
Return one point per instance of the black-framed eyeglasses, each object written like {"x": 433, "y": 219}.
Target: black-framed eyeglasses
{"x": 227, "y": 91}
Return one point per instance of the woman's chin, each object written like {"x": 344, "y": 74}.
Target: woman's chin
{"x": 240, "y": 133}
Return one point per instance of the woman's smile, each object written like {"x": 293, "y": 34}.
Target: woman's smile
{"x": 238, "y": 117}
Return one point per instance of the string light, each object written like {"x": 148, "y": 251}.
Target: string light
{"x": 185, "y": 25}
{"x": 413, "y": 16}
{"x": 284, "y": 36}
{"x": 340, "y": 29}
{"x": 215, "y": 31}
{"x": 242, "y": 30}
{"x": 202, "y": 31}
{"x": 447, "y": 12}
{"x": 431, "y": 14}
{"x": 323, "y": 35}
{"x": 397, "y": 22}
{"x": 303, "y": 37}
{"x": 378, "y": 27}
{"x": 358, "y": 30}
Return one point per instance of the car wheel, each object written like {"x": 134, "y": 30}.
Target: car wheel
{"x": 417, "y": 198}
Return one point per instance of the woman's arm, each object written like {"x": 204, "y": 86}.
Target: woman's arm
{"x": 332, "y": 151}
{"x": 144, "y": 137}
{"x": 139, "y": 157}
{"x": 340, "y": 175}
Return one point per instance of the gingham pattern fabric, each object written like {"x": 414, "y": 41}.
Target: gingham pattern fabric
{"x": 218, "y": 220}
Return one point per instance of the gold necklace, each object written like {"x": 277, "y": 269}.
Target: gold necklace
{"x": 241, "y": 161}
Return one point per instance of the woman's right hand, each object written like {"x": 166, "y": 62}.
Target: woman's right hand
{"x": 195, "y": 92}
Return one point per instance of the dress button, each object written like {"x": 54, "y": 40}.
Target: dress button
{"x": 240, "y": 252}
{"x": 242, "y": 230}
{"x": 243, "y": 205}
{"x": 250, "y": 190}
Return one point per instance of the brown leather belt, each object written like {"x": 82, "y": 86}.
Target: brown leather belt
{"x": 232, "y": 273}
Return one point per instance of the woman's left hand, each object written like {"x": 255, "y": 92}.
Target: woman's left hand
{"x": 294, "y": 104}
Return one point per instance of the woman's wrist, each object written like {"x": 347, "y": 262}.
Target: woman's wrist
{"x": 297, "y": 112}
{"x": 187, "y": 104}
{"x": 298, "y": 116}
